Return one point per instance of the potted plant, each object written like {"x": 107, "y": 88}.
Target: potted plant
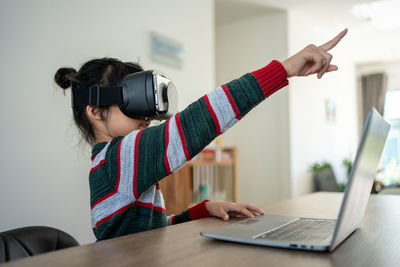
{"x": 324, "y": 177}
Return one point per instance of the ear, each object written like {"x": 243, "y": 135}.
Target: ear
{"x": 94, "y": 113}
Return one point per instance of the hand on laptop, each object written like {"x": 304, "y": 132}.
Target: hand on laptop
{"x": 224, "y": 210}
{"x": 313, "y": 59}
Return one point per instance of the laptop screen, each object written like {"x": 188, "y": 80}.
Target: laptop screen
{"x": 362, "y": 176}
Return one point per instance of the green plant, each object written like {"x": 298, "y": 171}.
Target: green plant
{"x": 319, "y": 166}
{"x": 341, "y": 187}
{"x": 348, "y": 164}
{"x": 324, "y": 177}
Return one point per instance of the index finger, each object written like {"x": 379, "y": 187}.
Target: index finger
{"x": 251, "y": 207}
{"x": 332, "y": 43}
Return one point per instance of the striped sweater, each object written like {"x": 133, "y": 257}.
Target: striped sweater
{"x": 124, "y": 190}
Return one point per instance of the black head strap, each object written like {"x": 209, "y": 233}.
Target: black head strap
{"x": 96, "y": 95}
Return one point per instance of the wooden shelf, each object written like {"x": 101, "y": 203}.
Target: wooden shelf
{"x": 178, "y": 187}
{"x": 210, "y": 162}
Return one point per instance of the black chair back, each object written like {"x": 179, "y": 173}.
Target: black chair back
{"x": 29, "y": 241}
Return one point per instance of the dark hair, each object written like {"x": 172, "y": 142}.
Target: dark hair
{"x": 104, "y": 72}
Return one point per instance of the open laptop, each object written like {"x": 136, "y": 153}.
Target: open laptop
{"x": 319, "y": 234}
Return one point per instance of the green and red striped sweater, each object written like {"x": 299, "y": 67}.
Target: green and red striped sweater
{"x": 124, "y": 190}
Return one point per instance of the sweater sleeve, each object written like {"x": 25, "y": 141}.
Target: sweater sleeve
{"x": 147, "y": 156}
{"x": 194, "y": 213}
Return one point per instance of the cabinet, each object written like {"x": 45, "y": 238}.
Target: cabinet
{"x": 202, "y": 177}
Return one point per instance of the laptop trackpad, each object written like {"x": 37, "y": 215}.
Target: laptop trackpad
{"x": 254, "y": 226}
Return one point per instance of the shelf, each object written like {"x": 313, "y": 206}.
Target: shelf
{"x": 210, "y": 162}
{"x": 182, "y": 188}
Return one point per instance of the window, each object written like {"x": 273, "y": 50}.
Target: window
{"x": 390, "y": 162}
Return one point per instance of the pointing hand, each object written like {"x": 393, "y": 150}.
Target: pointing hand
{"x": 313, "y": 59}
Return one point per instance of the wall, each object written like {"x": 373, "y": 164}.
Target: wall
{"x": 262, "y": 136}
{"x": 43, "y": 167}
{"x": 312, "y": 138}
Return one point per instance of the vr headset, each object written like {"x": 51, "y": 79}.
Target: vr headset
{"x": 142, "y": 95}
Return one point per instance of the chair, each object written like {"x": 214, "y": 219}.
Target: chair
{"x": 33, "y": 240}
{"x": 325, "y": 180}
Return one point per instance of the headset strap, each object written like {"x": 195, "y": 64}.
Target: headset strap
{"x": 96, "y": 95}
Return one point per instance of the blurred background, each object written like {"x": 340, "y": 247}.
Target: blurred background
{"x": 280, "y": 145}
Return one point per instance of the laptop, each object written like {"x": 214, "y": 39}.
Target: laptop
{"x": 319, "y": 234}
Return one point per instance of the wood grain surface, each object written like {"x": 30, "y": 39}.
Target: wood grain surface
{"x": 376, "y": 243}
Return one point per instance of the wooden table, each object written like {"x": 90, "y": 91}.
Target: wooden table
{"x": 377, "y": 243}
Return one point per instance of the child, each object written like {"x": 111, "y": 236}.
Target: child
{"x": 129, "y": 157}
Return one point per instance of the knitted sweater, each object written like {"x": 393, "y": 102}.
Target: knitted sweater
{"x": 124, "y": 190}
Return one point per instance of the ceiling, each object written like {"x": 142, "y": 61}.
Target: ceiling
{"x": 227, "y": 11}
{"x": 230, "y": 10}
{"x": 304, "y": 4}
{"x": 296, "y": 4}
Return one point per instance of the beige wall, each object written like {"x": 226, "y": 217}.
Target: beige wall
{"x": 43, "y": 169}
{"x": 261, "y": 137}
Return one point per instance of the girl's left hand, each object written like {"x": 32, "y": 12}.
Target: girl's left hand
{"x": 224, "y": 210}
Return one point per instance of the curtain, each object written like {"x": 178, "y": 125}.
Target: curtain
{"x": 374, "y": 88}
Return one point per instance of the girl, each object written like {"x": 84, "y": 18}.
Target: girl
{"x": 129, "y": 157}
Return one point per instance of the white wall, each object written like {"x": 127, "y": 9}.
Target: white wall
{"x": 312, "y": 138}
{"x": 262, "y": 136}
{"x": 43, "y": 168}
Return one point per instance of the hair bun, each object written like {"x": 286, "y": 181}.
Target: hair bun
{"x": 63, "y": 77}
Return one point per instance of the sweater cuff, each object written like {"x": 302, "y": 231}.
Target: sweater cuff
{"x": 271, "y": 78}
{"x": 199, "y": 211}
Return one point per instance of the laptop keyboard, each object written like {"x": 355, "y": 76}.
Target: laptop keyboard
{"x": 302, "y": 231}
